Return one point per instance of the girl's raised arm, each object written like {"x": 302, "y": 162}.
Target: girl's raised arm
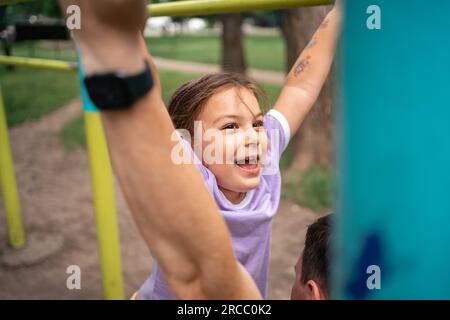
{"x": 307, "y": 76}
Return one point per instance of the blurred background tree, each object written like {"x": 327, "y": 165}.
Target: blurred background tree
{"x": 233, "y": 55}
{"x": 47, "y": 8}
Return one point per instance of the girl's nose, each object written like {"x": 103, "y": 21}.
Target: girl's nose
{"x": 251, "y": 137}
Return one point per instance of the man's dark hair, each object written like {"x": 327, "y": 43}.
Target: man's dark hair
{"x": 316, "y": 253}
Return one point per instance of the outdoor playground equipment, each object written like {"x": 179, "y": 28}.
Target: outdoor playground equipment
{"x": 393, "y": 151}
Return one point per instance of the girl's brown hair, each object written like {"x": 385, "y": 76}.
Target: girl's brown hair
{"x": 188, "y": 101}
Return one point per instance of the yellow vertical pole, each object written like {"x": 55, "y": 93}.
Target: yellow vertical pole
{"x": 104, "y": 199}
{"x": 105, "y": 208}
{"x": 11, "y": 201}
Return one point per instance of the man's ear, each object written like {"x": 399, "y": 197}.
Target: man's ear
{"x": 314, "y": 290}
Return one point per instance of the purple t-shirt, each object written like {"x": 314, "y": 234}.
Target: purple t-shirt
{"x": 250, "y": 221}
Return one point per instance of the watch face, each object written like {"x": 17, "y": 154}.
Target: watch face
{"x": 113, "y": 91}
{"x": 108, "y": 91}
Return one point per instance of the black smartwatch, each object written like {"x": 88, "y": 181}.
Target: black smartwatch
{"x": 116, "y": 91}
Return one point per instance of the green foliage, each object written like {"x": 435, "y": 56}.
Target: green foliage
{"x": 264, "y": 18}
{"x": 48, "y": 8}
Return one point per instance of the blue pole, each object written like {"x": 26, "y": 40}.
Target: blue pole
{"x": 394, "y": 152}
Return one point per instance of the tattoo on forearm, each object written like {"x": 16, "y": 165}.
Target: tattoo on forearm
{"x": 301, "y": 66}
{"x": 312, "y": 43}
{"x": 324, "y": 24}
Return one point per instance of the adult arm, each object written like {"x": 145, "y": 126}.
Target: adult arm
{"x": 171, "y": 206}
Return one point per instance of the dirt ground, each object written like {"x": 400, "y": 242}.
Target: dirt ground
{"x": 56, "y": 198}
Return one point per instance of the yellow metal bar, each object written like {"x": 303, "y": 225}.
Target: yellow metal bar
{"x": 11, "y": 201}
{"x": 39, "y": 63}
{"x": 105, "y": 208}
{"x": 209, "y": 7}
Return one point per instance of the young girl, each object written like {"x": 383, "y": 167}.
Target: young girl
{"x": 237, "y": 149}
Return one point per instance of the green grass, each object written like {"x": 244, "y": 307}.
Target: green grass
{"x": 262, "y": 52}
{"x": 311, "y": 188}
{"x": 45, "y": 50}
{"x": 73, "y": 135}
{"x": 29, "y": 94}
{"x": 204, "y": 49}
{"x": 266, "y": 52}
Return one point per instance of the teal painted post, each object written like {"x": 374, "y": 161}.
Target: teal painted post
{"x": 393, "y": 184}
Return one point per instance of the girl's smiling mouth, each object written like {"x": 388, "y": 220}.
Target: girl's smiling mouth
{"x": 249, "y": 164}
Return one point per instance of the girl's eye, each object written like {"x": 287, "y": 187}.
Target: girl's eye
{"x": 230, "y": 126}
{"x": 258, "y": 124}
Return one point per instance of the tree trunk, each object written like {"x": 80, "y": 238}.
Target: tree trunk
{"x": 313, "y": 144}
{"x": 233, "y": 57}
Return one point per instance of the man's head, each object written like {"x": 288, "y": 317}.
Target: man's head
{"x": 311, "y": 270}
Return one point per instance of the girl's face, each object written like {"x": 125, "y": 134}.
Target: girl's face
{"x": 234, "y": 137}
